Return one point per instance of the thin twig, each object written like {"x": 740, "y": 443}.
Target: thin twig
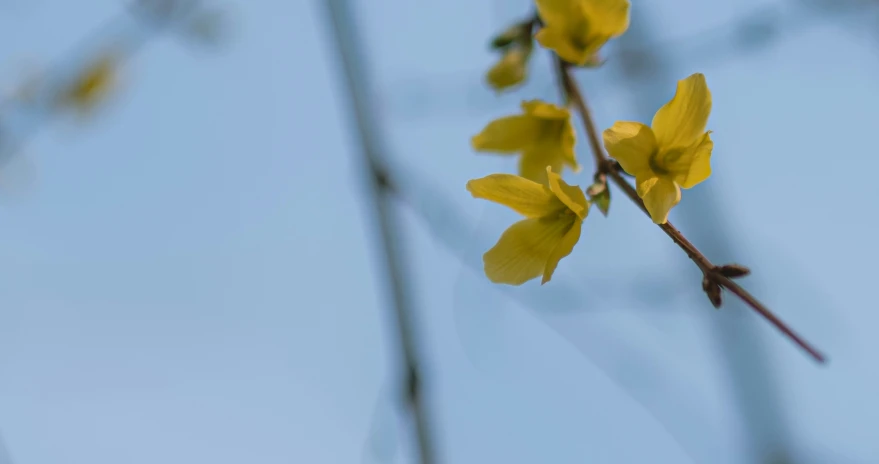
{"x": 604, "y": 165}
{"x": 344, "y": 32}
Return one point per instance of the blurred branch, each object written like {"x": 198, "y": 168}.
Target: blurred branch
{"x": 344, "y": 32}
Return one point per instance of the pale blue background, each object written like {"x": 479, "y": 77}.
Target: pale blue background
{"x": 192, "y": 277}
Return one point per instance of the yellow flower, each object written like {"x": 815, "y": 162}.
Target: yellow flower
{"x": 510, "y": 70}
{"x": 543, "y": 135}
{"x": 577, "y": 29}
{"x": 535, "y": 245}
{"x": 675, "y": 153}
{"x": 92, "y": 86}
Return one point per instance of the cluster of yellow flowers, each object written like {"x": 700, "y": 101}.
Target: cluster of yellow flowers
{"x": 672, "y": 153}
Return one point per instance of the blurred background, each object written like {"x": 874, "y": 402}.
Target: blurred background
{"x": 191, "y": 269}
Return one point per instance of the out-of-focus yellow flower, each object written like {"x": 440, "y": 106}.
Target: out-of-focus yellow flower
{"x": 515, "y": 44}
{"x": 510, "y": 70}
{"x": 675, "y": 153}
{"x": 543, "y": 135}
{"x": 577, "y": 29}
{"x": 535, "y": 245}
{"x": 92, "y": 86}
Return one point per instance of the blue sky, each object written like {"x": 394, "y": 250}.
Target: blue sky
{"x": 192, "y": 277}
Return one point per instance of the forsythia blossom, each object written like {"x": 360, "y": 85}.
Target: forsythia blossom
{"x": 515, "y": 45}
{"x": 577, "y": 29}
{"x": 543, "y": 135}
{"x": 510, "y": 70}
{"x": 535, "y": 245}
{"x": 674, "y": 153}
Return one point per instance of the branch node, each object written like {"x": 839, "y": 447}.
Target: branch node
{"x": 712, "y": 290}
{"x": 413, "y": 385}
{"x": 615, "y": 166}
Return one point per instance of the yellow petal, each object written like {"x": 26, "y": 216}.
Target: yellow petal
{"x": 558, "y": 12}
{"x": 564, "y": 248}
{"x": 544, "y": 110}
{"x": 607, "y": 18}
{"x": 660, "y": 195}
{"x": 555, "y": 148}
{"x": 571, "y": 196}
{"x": 566, "y": 145}
{"x": 693, "y": 164}
{"x": 523, "y": 251}
{"x": 533, "y": 163}
{"x": 577, "y": 29}
{"x": 632, "y": 144}
{"x": 508, "y": 134}
{"x": 558, "y": 137}
{"x": 509, "y": 71}
{"x": 523, "y": 196}
{"x": 681, "y": 122}
{"x": 569, "y": 44}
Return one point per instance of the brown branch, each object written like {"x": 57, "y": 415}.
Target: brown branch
{"x": 715, "y": 277}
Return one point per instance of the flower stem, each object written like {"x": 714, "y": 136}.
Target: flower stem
{"x": 604, "y": 165}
